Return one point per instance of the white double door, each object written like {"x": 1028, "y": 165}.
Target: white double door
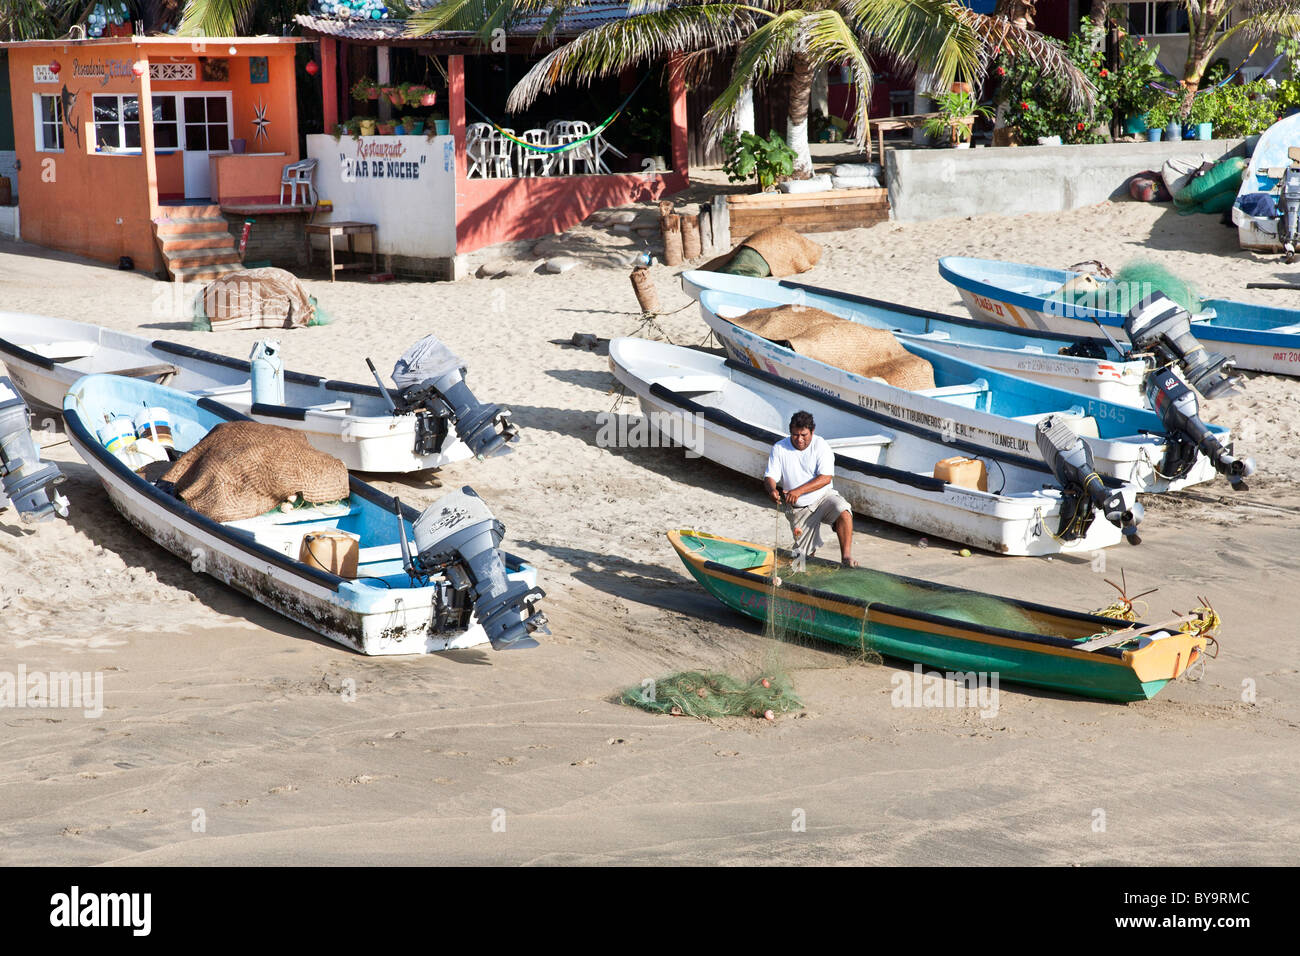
{"x": 205, "y": 127}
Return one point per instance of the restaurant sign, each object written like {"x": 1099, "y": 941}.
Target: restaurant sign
{"x": 384, "y": 158}
{"x": 102, "y": 70}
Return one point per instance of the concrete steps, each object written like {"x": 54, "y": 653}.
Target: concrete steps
{"x": 196, "y": 242}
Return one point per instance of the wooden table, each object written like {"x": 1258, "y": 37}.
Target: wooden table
{"x": 911, "y": 121}
{"x": 351, "y": 230}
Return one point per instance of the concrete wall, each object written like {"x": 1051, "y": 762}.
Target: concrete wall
{"x": 9, "y": 169}
{"x": 1008, "y": 181}
{"x": 9, "y": 223}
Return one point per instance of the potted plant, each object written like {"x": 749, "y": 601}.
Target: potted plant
{"x": 1158, "y": 116}
{"x": 750, "y": 155}
{"x": 366, "y": 125}
{"x": 1204, "y": 113}
{"x": 365, "y": 89}
{"x": 413, "y": 93}
{"x": 428, "y": 98}
{"x": 438, "y": 124}
{"x": 399, "y": 128}
{"x": 394, "y": 94}
{"x": 385, "y": 127}
{"x": 414, "y": 125}
{"x": 956, "y": 119}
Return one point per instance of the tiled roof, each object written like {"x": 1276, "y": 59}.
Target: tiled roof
{"x": 572, "y": 24}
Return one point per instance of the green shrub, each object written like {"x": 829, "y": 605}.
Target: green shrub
{"x": 749, "y": 155}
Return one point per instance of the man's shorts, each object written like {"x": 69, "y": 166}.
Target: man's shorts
{"x": 809, "y": 521}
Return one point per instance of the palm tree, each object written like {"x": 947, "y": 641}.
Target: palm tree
{"x": 943, "y": 38}
{"x": 1208, "y": 30}
{"x": 218, "y": 18}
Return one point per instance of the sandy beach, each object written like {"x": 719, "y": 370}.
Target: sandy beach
{"x": 230, "y": 735}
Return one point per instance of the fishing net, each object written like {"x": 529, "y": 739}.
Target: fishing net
{"x": 705, "y": 694}
{"x": 1141, "y": 278}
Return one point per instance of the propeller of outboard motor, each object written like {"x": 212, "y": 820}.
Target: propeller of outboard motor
{"x": 1160, "y": 325}
{"x": 1177, "y": 407}
{"x": 25, "y": 480}
{"x": 1083, "y": 489}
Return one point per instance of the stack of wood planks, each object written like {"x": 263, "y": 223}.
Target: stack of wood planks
{"x": 828, "y": 211}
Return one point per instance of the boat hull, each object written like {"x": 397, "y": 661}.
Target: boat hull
{"x": 996, "y": 346}
{"x": 373, "y": 621}
{"x": 946, "y": 643}
{"x": 1257, "y": 337}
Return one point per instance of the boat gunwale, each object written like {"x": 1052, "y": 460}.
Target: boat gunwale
{"x": 923, "y": 616}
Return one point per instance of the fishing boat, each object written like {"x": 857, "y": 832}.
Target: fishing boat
{"x": 392, "y": 605}
{"x": 959, "y": 631}
{"x": 1264, "y": 170}
{"x": 731, "y": 414}
{"x": 1259, "y": 338}
{"x": 1088, "y": 365}
{"x": 988, "y": 412}
{"x": 353, "y": 422}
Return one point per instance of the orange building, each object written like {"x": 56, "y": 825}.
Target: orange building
{"x": 95, "y": 171}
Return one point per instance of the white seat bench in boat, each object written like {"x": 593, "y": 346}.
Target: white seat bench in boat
{"x": 63, "y": 351}
{"x": 381, "y": 552}
{"x": 956, "y": 393}
{"x": 697, "y": 382}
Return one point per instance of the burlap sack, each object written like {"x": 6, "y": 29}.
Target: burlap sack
{"x": 242, "y": 469}
{"x": 786, "y": 252}
{"x": 873, "y": 353}
{"x": 257, "y": 299}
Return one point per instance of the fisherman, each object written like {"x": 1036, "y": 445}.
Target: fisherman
{"x": 804, "y": 464}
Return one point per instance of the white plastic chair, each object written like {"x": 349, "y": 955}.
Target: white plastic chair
{"x": 297, "y": 176}
{"x": 477, "y": 151}
{"x": 585, "y": 153}
{"x": 530, "y": 159}
{"x": 501, "y": 152}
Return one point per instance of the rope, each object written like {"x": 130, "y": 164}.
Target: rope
{"x": 549, "y": 149}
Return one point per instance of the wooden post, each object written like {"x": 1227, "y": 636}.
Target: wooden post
{"x": 671, "y": 227}
{"x": 707, "y": 244}
{"x": 329, "y": 82}
{"x": 691, "y": 237}
{"x": 646, "y": 294}
{"x": 720, "y": 215}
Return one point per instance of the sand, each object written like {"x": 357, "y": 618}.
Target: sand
{"x": 231, "y": 735}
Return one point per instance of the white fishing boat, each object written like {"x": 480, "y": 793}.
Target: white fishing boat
{"x": 393, "y": 604}
{"x": 731, "y": 413}
{"x": 353, "y": 422}
{"x": 987, "y": 412}
{"x": 1090, "y": 365}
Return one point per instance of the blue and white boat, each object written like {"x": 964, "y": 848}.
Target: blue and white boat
{"x": 481, "y": 595}
{"x": 1093, "y": 366}
{"x": 979, "y": 411}
{"x": 1260, "y": 338}
{"x": 1263, "y": 174}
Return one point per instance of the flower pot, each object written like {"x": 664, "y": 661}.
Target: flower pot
{"x": 1136, "y": 125}
{"x": 368, "y": 127}
{"x": 385, "y": 129}
{"x": 1174, "y": 131}
{"x": 373, "y": 94}
{"x": 395, "y": 97}
{"x": 442, "y": 127}
{"x": 428, "y": 99}
{"x": 1204, "y": 130}
{"x": 1049, "y": 141}
{"x": 1153, "y": 135}
{"x": 416, "y": 129}
{"x": 238, "y": 145}
{"x": 399, "y": 130}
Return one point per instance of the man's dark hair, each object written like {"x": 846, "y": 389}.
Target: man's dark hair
{"x": 802, "y": 420}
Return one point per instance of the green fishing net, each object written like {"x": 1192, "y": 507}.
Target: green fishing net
{"x": 876, "y": 587}
{"x": 1140, "y": 278}
{"x": 703, "y": 694}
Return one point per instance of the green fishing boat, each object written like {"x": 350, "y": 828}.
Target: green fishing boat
{"x": 948, "y": 628}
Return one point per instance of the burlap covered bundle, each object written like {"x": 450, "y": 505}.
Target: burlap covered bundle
{"x": 785, "y": 251}
{"x": 242, "y": 469}
{"x": 873, "y": 353}
{"x": 257, "y": 299}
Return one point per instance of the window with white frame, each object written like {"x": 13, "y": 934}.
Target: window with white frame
{"x": 49, "y": 123}
{"x": 1155, "y": 19}
{"x": 117, "y": 121}
{"x": 166, "y": 129}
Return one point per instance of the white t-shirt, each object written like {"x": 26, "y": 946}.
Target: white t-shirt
{"x": 793, "y": 469}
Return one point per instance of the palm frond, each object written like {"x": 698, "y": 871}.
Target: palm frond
{"x": 1001, "y": 33}
{"x": 216, "y": 18}
{"x": 612, "y": 47}
{"x": 832, "y": 40}
{"x": 932, "y": 35}
{"x": 765, "y": 51}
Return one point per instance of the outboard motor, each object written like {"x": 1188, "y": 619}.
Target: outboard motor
{"x": 1177, "y": 407}
{"x": 26, "y": 482}
{"x": 432, "y": 379}
{"x": 1289, "y": 209}
{"x": 458, "y": 537}
{"x": 1083, "y": 489}
{"x": 1158, "y": 324}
